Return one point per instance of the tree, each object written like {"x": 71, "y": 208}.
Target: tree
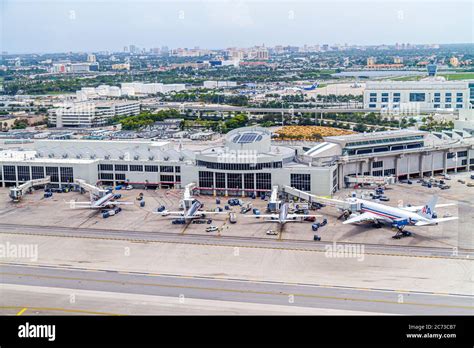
{"x": 360, "y": 127}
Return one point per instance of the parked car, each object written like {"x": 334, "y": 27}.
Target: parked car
{"x": 461, "y": 181}
{"x": 199, "y": 221}
{"x": 232, "y": 218}
{"x": 310, "y": 218}
{"x": 315, "y": 226}
{"x": 161, "y": 209}
{"x": 384, "y": 198}
{"x": 178, "y": 222}
{"x": 272, "y": 233}
{"x": 445, "y": 187}
{"x": 129, "y": 187}
{"x": 316, "y": 238}
{"x": 211, "y": 229}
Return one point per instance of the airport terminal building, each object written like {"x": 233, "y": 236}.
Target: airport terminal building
{"x": 247, "y": 162}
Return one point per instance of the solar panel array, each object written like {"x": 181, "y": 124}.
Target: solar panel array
{"x": 245, "y": 138}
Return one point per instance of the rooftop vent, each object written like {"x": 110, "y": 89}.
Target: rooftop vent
{"x": 151, "y": 158}
{"x": 136, "y": 157}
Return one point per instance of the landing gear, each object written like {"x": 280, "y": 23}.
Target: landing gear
{"x": 401, "y": 233}
{"x": 345, "y": 215}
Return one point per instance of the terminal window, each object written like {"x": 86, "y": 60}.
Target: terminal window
{"x": 106, "y": 176}
{"x": 23, "y": 173}
{"x": 220, "y": 180}
{"x": 234, "y": 181}
{"x": 167, "y": 178}
{"x": 417, "y": 97}
{"x": 301, "y": 181}
{"x": 166, "y": 169}
{"x": 53, "y": 172}
{"x": 109, "y": 167}
{"x": 264, "y": 181}
{"x": 67, "y": 174}
{"x": 206, "y": 179}
{"x": 249, "y": 181}
{"x": 136, "y": 168}
{"x": 151, "y": 169}
{"x": 378, "y": 164}
{"x": 37, "y": 172}
{"x": 120, "y": 177}
{"x": 121, "y": 168}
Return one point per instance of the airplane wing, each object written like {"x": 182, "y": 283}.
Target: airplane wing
{"x": 118, "y": 203}
{"x": 168, "y": 213}
{"x": 291, "y": 216}
{"x": 365, "y": 217}
{"x": 417, "y": 208}
{"x": 269, "y": 216}
{"x": 435, "y": 221}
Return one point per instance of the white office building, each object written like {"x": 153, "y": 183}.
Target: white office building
{"x": 430, "y": 94}
{"x": 91, "y": 114}
{"x": 219, "y": 84}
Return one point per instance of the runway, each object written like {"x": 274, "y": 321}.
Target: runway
{"x": 232, "y": 241}
{"x": 228, "y": 291}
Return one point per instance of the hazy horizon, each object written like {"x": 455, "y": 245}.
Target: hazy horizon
{"x": 86, "y": 26}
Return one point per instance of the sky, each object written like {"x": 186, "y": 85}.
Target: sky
{"x": 42, "y": 26}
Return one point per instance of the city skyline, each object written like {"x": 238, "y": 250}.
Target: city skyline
{"x": 84, "y": 26}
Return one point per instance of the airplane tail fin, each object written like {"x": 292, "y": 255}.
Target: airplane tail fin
{"x": 428, "y": 209}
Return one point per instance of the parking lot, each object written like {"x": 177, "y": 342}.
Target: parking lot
{"x": 34, "y": 209}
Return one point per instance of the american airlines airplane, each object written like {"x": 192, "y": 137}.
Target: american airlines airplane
{"x": 283, "y": 216}
{"x": 398, "y": 217}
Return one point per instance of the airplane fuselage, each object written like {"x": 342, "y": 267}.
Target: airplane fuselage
{"x": 388, "y": 212}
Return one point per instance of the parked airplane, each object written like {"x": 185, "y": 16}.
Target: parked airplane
{"x": 311, "y": 87}
{"x": 106, "y": 201}
{"x": 189, "y": 214}
{"x": 358, "y": 210}
{"x": 398, "y": 217}
{"x": 283, "y": 216}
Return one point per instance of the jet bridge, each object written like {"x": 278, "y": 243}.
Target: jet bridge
{"x": 19, "y": 191}
{"x": 306, "y": 196}
{"x": 274, "y": 204}
{"x": 188, "y": 198}
{"x": 95, "y": 192}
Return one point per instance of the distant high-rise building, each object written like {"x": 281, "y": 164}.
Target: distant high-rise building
{"x": 370, "y": 61}
{"x": 398, "y": 60}
{"x": 454, "y": 61}
{"x": 262, "y": 53}
{"x": 125, "y": 48}
{"x": 91, "y": 58}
